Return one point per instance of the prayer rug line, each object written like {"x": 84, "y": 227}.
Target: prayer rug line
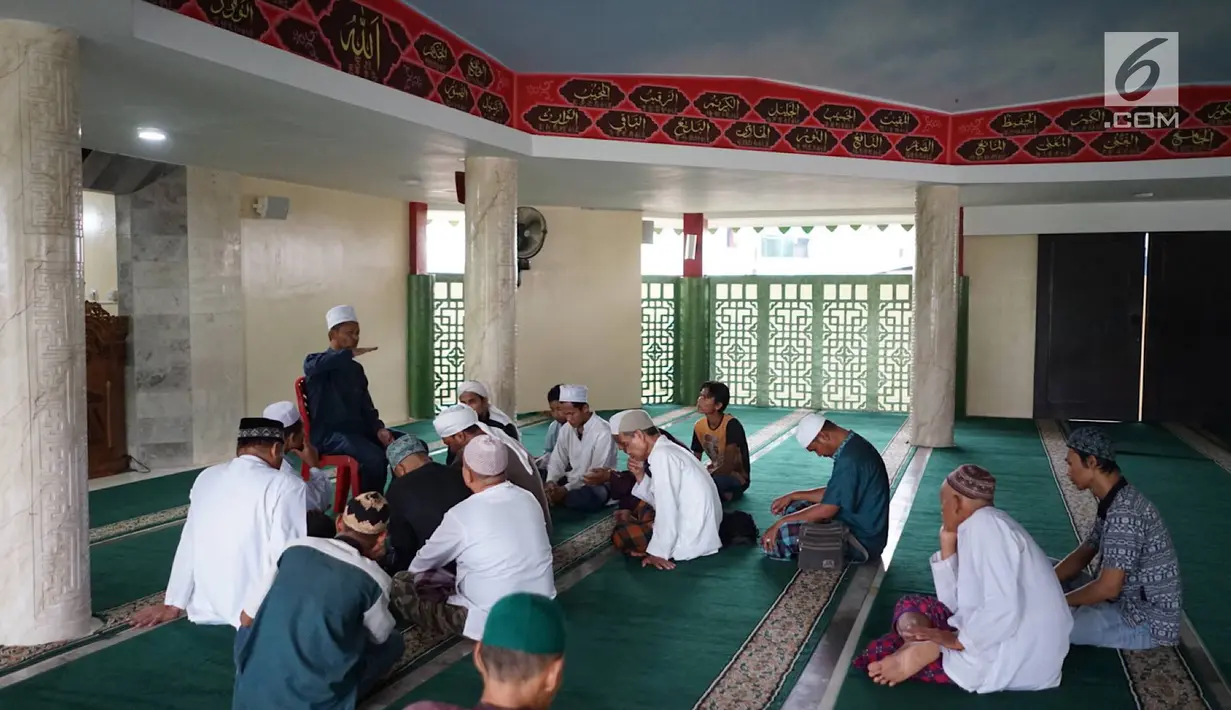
{"x": 1159, "y": 679}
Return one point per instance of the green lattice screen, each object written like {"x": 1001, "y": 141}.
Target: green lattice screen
{"x": 448, "y": 338}
{"x": 658, "y": 331}
{"x": 827, "y": 342}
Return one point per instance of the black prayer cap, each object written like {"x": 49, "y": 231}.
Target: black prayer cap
{"x": 260, "y": 428}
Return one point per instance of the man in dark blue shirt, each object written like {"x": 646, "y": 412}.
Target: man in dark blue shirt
{"x": 343, "y": 419}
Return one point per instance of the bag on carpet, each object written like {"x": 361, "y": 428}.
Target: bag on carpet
{"x": 738, "y": 528}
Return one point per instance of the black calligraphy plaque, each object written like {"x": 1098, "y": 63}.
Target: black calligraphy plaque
{"x": 319, "y": 6}
{"x": 591, "y": 93}
{"x": 176, "y": 5}
{"x": 894, "y": 121}
{"x": 866, "y": 144}
{"x": 843, "y": 118}
{"x": 411, "y": 78}
{"x": 1054, "y": 146}
{"x": 494, "y": 108}
{"x": 1121, "y": 144}
{"x": 922, "y": 148}
{"x": 627, "y": 125}
{"x": 746, "y": 134}
{"x": 398, "y": 34}
{"x": 1020, "y": 123}
{"x": 807, "y": 139}
{"x": 1189, "y": 141}
{"x": 1217, "y": 113}
{"x": 360, "y": 40}
{"x": 455, "y": 94}
{"x": 659, "y": 99}
{"x": 1085, "y": 120}
{"x": 987, "y": 150}
{"x": 282, "y": 4}
{"x": 684, "y": 129}
{"x": 304, "y": 39}
{"x": 476, "y": 70}
{"x": 560, "y": 120}
{"x": 788, "y": 111}
{"x": 729, "y": 107}
{"x": 242, "y": 17}
{"x": 435, "y": 53}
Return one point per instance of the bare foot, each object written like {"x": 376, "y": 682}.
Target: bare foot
{"x": 909, "y": 660}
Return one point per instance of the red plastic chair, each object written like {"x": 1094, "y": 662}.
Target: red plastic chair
{"x": 347, "y": 468}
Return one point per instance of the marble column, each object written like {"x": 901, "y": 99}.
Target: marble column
{"x": 490, "y": 283}
{"x": 44, "y": 546}
{"x": 934, "y": 377}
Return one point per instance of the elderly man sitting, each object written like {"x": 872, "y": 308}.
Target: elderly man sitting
{"x": 421, "y": 492}
{"x": 998, "y": 621}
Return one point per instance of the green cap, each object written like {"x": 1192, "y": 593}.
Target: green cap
{"x": 530, "y": 623}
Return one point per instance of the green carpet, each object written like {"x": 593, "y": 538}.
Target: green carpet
{"x": 1191, "y": 493}
{"x": 682, "y": 626}
{"x": 126, "y": 570}
{"x": 1025, "y": 488}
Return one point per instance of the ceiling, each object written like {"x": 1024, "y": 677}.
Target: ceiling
{"x": 951, "y": 55}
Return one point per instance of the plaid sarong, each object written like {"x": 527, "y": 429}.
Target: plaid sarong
{"x": 634, "y": 535}
{"x": 424, "y": 602}
{"x": 786, "y": 544}
{"x": 889, "y": 644}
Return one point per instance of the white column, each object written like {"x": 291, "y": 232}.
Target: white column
{"x": 44, "y": 546}
{"x": 490, "y": 284}
{"x": 935, "y": 351}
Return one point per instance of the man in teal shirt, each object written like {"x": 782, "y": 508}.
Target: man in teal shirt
{"x": 857, "y": 494}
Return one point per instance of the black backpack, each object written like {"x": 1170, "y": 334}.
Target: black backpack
{"x": 738, "y": 528}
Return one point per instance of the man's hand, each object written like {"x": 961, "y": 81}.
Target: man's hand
{"x": 948, "y": 543}
{"x": 657, "y": 562}
{"x": 310, "y": 455}
{"x": 623, "y": 516}
{"x": 155, "y": 615}
{"x": 944, "y": 639}
{"x": 244, "y": 619}
{"x": 770, "y": 538}
{"x": 385, "y": 436}
{"x": 637, "y": 468}
{"x": 780, "y": 504}
{"x": 555, "y": 494}
{"x": 597, "y": 476}
{"x": 363, "y": 351}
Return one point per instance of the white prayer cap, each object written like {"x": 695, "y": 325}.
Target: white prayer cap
{"x": 630, "y": 421}
{"x": 486, "y": 456}
{"x": 339, "y": 315}
{"x": 453, "y": 419}
{"x": 473, "y": 386}
{"x": 285, "y": 412}
{"x": 574, "y": 393}
{"x": 808, "y": 428}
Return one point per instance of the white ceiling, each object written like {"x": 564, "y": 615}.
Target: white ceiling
{"x": 227, "y": 119}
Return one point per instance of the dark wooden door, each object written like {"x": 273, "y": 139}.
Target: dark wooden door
{"x": 1087, "y": 362}
{"x": 1188, "y": 328}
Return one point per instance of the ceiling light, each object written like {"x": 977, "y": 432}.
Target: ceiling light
{"x": 152, "y": 135}
{"x": 1144, "y": 195}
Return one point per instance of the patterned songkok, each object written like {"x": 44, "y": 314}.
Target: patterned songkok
{"x": 367, "y": 513}
{"x": 971, "y": 481}
{"x": 260, "y": 428}
{"x": 1093, "y": 441}
{"x": 402, "y": 447}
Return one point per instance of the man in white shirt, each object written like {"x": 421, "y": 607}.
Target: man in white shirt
{"x": 999, "y": 620}
{"x": 495, "y": 537}
{"x": 241, "y": 516}
{"x": 320, "y": 488}
{"x": 474, "y": 394}
{"x": 687, "y": 507}
{"x": 585, "y": 443}
{"x": 553, "y": 429}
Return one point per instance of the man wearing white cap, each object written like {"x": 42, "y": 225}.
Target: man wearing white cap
{"x": 495, "y": 537}
{"x": 474, "y": 394}
{"x": 584, "y": 444}
{"x": 857, "y": 494}
{"x": 319, "y": 487}
{"x": 344, "y": 420}
{"x": 458, "y": 425}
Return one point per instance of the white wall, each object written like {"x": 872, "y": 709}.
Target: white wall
{"x": 1000, "y": 362}
{"x": 99, "y": 248}
{"x": 1139, "y": 216}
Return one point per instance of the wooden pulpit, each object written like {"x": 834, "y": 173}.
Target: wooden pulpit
{"x": 105, "y": 355}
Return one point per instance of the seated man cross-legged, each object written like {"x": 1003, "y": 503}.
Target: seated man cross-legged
{"x": 421, "y": 492}
{"x": 584, "y": 444}
{"x": 998, "y": 621}
{"x": 721, "y": 437}
{"x": 474, "y": 394}
{"x": 857, "y": 494}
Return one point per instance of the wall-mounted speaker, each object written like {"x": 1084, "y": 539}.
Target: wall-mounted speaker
{"x": 265, "y": 207}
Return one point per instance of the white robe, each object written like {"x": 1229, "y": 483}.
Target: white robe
{"x": 687, "y": 508}
{"x": 1007, "y": 606}
{"x": 241, "y": 516}
{"x": 576, "y": 457}
{"x": 522, "y": 472}
{"x": 319, "y": 489}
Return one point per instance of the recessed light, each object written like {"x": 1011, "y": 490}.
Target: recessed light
{"x": 1143, "y": 195}
{"x": 152, "y": 135}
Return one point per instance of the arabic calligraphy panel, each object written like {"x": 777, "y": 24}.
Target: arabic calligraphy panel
{"x": 360, "y": 40}
{"x": 683, "y": 129}
{"x": 845, "y": 118}
{"x": 559, "y": 120}
{"x": 788, "y": 111}
{"x": 1054, "y": 146}
{"x": 987, "y": 150}
{"x": 1019, "y": 123}
{"x": 659, "y": 99}
{"x": 494, "y": 109}
{"x": 627, "y": 125}
{"x": 591, "y": 93}
{"x": 924, "y": 148}
{"x": 477, "y": 70}
{"x": 1085, "y": 120}
{"x": 746, "y": 134}
{"x": 455, "y": 94}
{"x": 1193, "y": 140}
{"x": 411, "y": 78}
{"x": 242, "y": 17}
{"x": 398, "y": 34}
{"x": 807, "y": 139}
{"x": 1121, "y": 144}
{"x": 867, "y": 144}
{"x": 435, "y": 53}
{"x": 319, "y": 6}
{"x": 730, "y": 107}
{"x": 305, "y": 40}
{"x": 1217, "y": 113}
{"x": 894, "y": 121}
